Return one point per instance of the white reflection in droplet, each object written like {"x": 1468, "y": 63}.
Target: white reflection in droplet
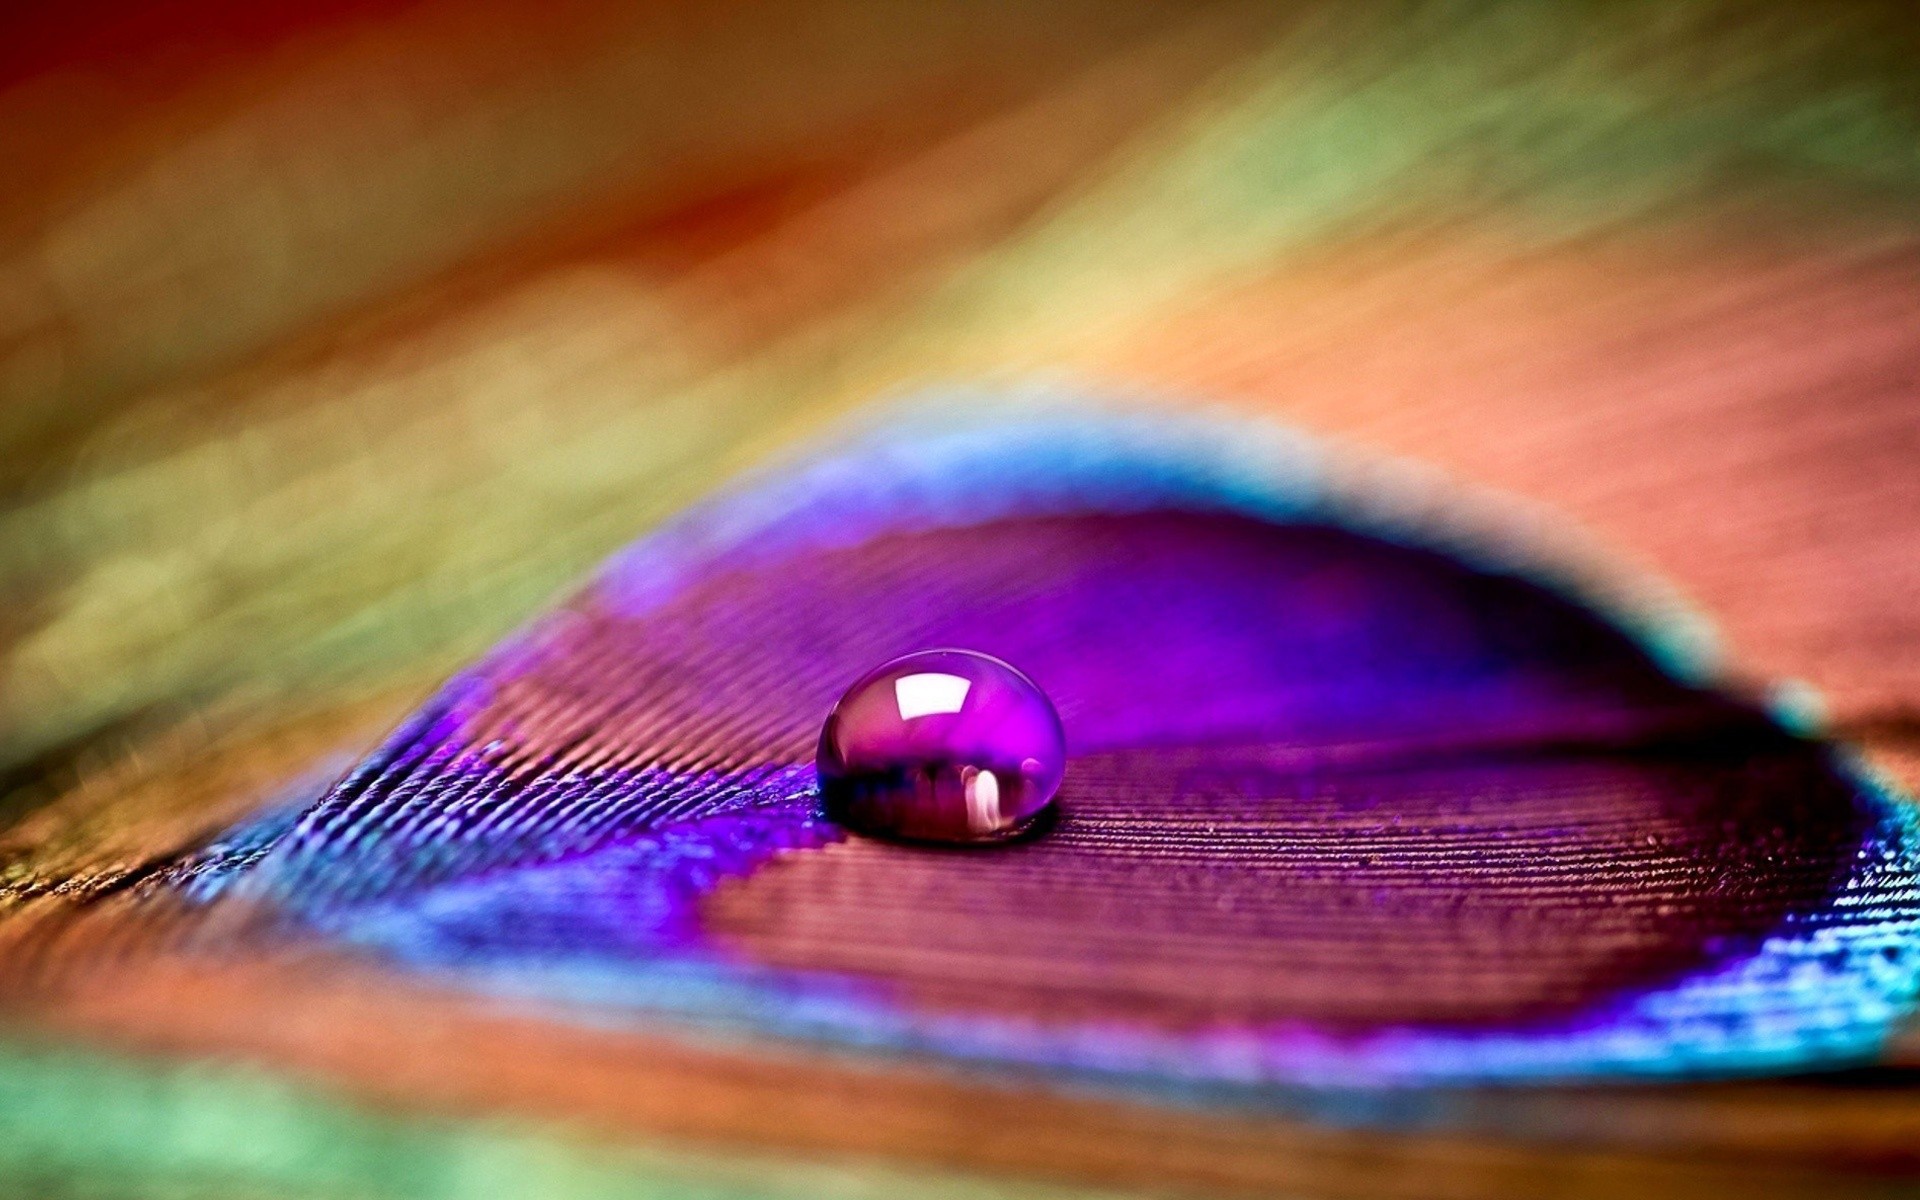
{"x": 929, "y": 693}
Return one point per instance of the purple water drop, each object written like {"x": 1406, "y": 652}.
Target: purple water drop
{"x": 942, "y": 746}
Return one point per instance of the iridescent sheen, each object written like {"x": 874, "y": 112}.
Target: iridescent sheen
{"x": 1371, "y": 785}
{"x": 942, "y": 746}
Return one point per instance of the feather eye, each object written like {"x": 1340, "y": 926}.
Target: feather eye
{"x": 1364, "y": 786}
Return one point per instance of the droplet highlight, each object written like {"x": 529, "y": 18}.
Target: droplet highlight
{"x": 945, "y": 746}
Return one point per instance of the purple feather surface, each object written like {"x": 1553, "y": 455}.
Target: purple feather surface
{"x": 1370, "y": 781}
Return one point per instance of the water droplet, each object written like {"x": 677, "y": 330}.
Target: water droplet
{"x": 941, "y": 746}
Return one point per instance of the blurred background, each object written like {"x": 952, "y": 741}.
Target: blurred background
{"x": 339, "y": 337}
